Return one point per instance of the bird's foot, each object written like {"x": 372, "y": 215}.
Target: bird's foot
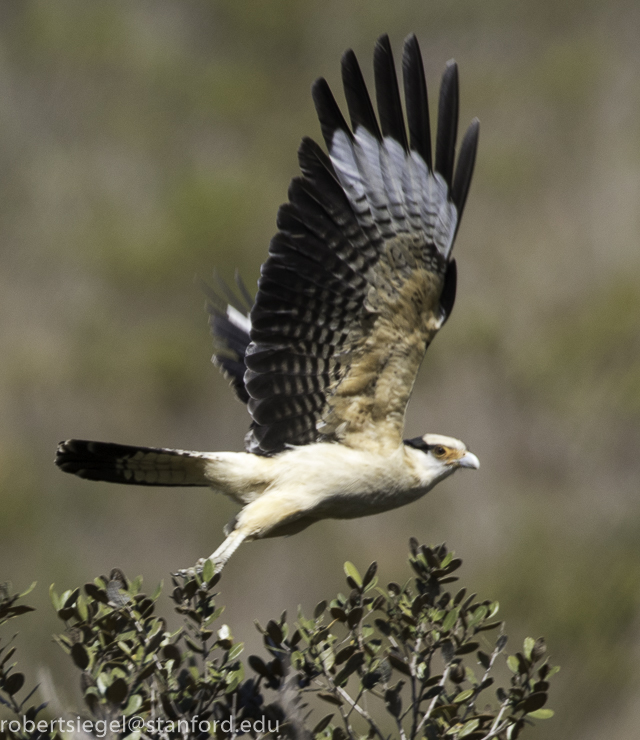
{"x": 205, "y": 567}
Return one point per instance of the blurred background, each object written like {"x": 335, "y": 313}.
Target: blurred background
{"x": 145, "y": 143}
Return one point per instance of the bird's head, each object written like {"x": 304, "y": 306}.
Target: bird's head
{"x": 441, "y": 455}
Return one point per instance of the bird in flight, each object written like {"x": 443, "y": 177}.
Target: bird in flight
{"x": 358, "y": 281}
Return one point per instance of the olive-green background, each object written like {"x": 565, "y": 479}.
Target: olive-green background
{"x": 144, "y": 143}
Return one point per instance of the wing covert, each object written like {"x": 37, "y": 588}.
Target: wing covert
{"x": 359, "y": 277}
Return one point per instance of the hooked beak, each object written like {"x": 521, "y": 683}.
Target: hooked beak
{"x": 469, "y": 460}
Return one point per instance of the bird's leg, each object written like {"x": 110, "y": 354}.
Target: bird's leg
{"x": 226, "y": 549}
{"x": 220, "y": 556}
{"x": 258, "y": 519}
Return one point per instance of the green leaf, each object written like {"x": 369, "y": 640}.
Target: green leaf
{"x": 345, "y": 653}
{"x": 479, "y": 615}
{"x": 324, "y": 722}
{"x": 538, "y": 650}
{"x": 135, "y": 586}
{"x": 529, "y": 642}
{"x": 484, "y": 660}
{"x": 467, "y": 647}
{"x": 318, "y": 612}
{"x": 16, "y": 611}
{"x": 328, "y": 658}
{"x": 513, "y": 663}
{"x": 366, "y": 631}
{"x": 370, "y": 575}
{"x": 236, "y": 650}
{"x": 208, "y": 570}
{"x": 96, "y": 593}
{"x": 213, "y": 616}
{"x": 103, "y": 681}
{"x": 399, "y": 664}
{"x": 7, "y": 656}
{"x": 28, "y": 591}
{"x": 55, "y": 599}
{"x": 354, "y": 616}
{"x": 534, "y": 702}
{"x": 117, "y": 692}
{"x": 352, "y": 665}
{"x": 81, "y": 606}
{"x": 463, "y": 696}
{"x": 471, "y": 676}
{"x": 193, "y": 645}
{"x": 352, "y": 572}
{"x": 488, "y": 626}
{"x": 134, "y": 703}
{"x": 71, "y": 597}
{"x": 234, "y": 678}
{"x": 459, "y": 596}
{"x": 450, "y": 620}
{"x": 258, "y": 665}
{"x": 494, "y": 608}
{"x": 158, "y": 591}
{"x": 13, "y": 683}
{"x": 330, "y": 698}
{"x": 541, "y": 714}
{"x": 80, "y": 656}
{"x": 469, "y": 727}
{"x": 172, "y": 652}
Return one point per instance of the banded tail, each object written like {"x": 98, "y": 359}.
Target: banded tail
{"x": 139, "y": 466}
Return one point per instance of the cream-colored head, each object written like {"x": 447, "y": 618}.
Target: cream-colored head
{"x": 440, "y": 456}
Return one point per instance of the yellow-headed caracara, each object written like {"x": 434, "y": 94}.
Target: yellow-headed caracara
{"x": 358, "y": 281}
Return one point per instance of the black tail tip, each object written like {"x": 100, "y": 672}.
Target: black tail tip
{"x": 79, "y": 457}
{"x": 69, "y": 456}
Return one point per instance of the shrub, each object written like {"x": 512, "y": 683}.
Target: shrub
{"x": 410, "y": 661}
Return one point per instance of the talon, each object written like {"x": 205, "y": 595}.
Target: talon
{"x": 194, "y": 569}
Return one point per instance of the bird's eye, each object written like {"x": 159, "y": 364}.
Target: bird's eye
{"x": 439, "y": 451}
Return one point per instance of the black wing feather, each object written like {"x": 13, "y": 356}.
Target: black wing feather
{"x": 357, "y": 96}
{"x": 387, "y": 93}
{"x": 415, "y": 95}
{"x": 447, "y": 123}
{"x": 448, "y": 295}
{"x": 464, "y": 168}
{"x": 329, "y": 113}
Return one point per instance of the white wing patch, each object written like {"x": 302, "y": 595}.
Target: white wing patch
{"x": 237, "y": 318}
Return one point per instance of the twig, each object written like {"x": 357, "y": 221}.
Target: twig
{"x": 471, "y": 703}
{"x": 362, "y": 712}
{"x": 414, "y": 698}
{"x": 434, "y": 701}
{"x": 496, "y": 728}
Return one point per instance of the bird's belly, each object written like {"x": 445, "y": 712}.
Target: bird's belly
{"x": 331, "y": 481}
{"x": 353, "y": 504}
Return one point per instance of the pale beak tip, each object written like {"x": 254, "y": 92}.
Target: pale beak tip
{"x": 469, "y": 460}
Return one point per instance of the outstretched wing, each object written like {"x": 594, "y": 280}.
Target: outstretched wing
{"x": 359, "y": 277}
